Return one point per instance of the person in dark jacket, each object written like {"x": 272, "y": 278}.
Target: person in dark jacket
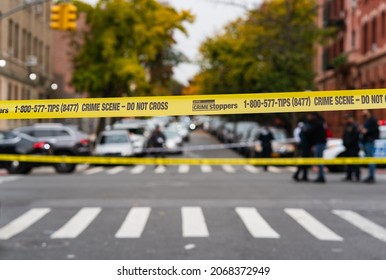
{"x": 351, "y": 141}
{"x": 319, "y": 140}
{"x": 370, "y": 133}
{"x": 265, "y": 138}
{"x": 157, "y": 141}
{"x": 305, "y": 150}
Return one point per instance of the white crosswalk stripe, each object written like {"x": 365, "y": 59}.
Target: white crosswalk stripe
{"x": 228, "y": 168}
{"x": 193, "y": 222}
{"x": 255, "y": 223}
{"x": 138, "y": 169}
{"x": 23, "y": 222}
{"x": 8, "y": 179}
{"x": 115, "y": 170}
{"x": 206, "y": 168}
{"x": 78, "y": 223}
{"x": 252, "y": 169}
{"x": 312, "y": 225}
{"x": 183, "y": 169}
{"x": 362, "y": 223}
{"x": 275, "y": 169}
{"x": 160, "y": 169}
{"x": 93, "y": 170}
{"x": 134, "y": 223}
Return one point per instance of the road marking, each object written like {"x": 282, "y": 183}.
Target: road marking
{"x": 193, "y": 222}
{"x": 362, "y": 223}
{"x": 252, "y": 169}
{"x": 228, "y": 168}
{"x": 22, "y": 222}
{"x": 206, "y": 168}
{"x": 274, "y": 169}
{"x": 255, "y": 223}
{"x": 183, "y": 168}
{"x": 8, "y": 179}
{"x": 78, "y": 223}
{"x": 160, "y": 169}
{"x": 115, "y": 170}
{"x": 94, "y": 170}
{"x": 138, "y": 169}
{"x": 312, "y": 225}
{"x": 291, "y": 169}
{"x": 134, "y": 223}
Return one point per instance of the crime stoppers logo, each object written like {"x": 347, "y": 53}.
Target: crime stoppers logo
{"x": 210, "y": 105}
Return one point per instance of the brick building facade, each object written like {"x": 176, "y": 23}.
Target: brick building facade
{"x": 25, "y": 49}
{"x": 356, "y": 57}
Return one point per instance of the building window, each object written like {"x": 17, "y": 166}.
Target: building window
{"x": 374, "y": 34}
{"x": 353, "y": 39}
{"x": 40, "y": 56}
{"x": 29, "y": 44}
{"x": 364, "y": 39}
{"x": 341, "y": 45}
{"x": 10, "y": 97}
{"x": 16, "y": 93}
{"x": 35, "y": 47}
{"x": 10, "y": 36}
{"x": 47, "y": 58}
{"x": 16, "y": 50}
{"x": 354, "y": 4}
{"x": 23, "y": 44}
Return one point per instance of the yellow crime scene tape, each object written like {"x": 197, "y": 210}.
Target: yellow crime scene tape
{"x": 310, "y": 101}
{"x": 194, "y": 105}
{"x": 189, "y": 161}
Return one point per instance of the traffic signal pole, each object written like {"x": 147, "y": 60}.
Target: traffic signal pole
{"x": 22, "y": 7}
{"x": 63, "y": 13}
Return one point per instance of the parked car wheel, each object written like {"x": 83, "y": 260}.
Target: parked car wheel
{"x": 64, "y": 168}
{"x": 17, "y": 167}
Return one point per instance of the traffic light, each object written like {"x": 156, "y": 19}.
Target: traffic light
{"x": 56, "y": 17}
{"x": 63, "y": 16}
{"x": 69, "y": 16}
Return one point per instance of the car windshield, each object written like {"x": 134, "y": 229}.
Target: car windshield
{"x": 171, "y": 134}
{"x": 114, "y": 139}
{"x": 279, "y": 134}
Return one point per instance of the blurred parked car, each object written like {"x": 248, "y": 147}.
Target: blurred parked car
{"x": 115, "y": 143}
{"x": 181, "y": 129}
{"x": 66, "y": 140}
{"x": 214, "y": 123}
{"x": 22, "y": 144}
{"x": 241, "y": 132}
{"x": 174, "y": 142}
{"x": 335, "y": 149}
{"x": 281, "y": 145}
{"x": 139, "y": 131}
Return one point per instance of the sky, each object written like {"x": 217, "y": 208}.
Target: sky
{"x": 211, "y": 16}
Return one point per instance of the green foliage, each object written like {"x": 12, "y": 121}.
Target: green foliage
{"x": 270, "y": 50}
{"x": 126, "y": 45}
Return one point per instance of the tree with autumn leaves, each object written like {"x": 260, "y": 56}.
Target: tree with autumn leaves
{"x": 271, "y": 49}
{"x": 128, "y": 48}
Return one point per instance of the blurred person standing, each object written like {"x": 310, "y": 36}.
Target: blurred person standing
{"x": 370, "y": 132}
{"x": 157, "y": 142}
{"x": 265, "y": 138}
{"x": 304, "y": 148}
{"x": 320, "y": 139}
{"x": 351, "y": 141}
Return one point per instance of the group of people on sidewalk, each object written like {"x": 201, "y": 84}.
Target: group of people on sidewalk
{"x": 311, "y": 135}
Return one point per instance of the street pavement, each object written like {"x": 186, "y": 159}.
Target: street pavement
{"x": 189, "y": 212}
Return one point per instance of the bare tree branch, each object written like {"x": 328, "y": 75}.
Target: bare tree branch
{"x": 239, "y": 4}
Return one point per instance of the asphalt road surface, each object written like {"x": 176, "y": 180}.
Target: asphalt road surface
{"x": 189, "y": 212}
